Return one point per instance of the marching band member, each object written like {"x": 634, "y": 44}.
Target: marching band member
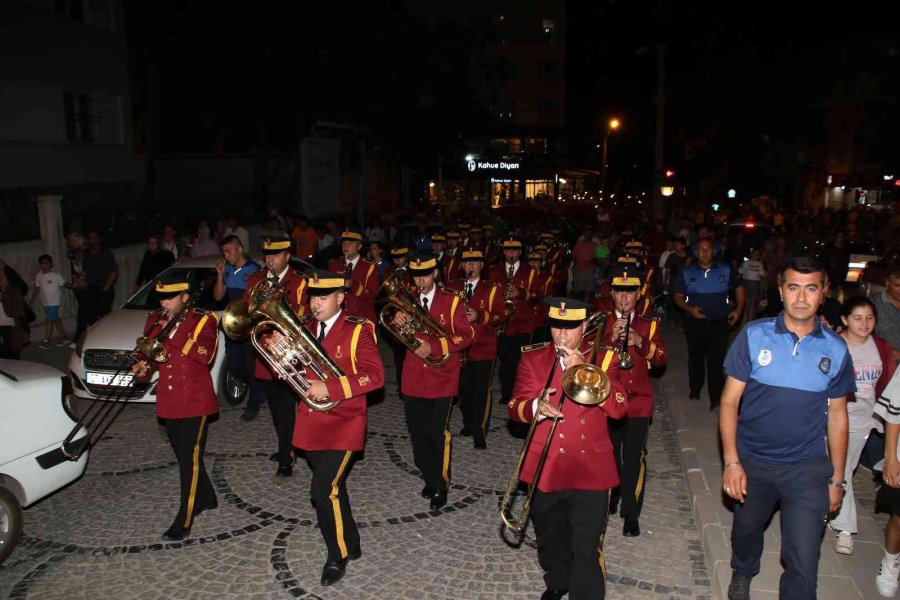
{"x": 400, "y": 258}
{"x": 281, "y": 399}
{"x": 524, "y": 291}
{"x": 540, "y": 331}
{"x": 185, "y": 398}
{"x": 451, "y": 264}
{"x": 484, "y": 310}
{"x": 332, "y": 437}
{"x": 629, "y": 435}
{"x": 361, "y": 275}
{"x": 569, "y": 508}
{"x": 428, "y": 390}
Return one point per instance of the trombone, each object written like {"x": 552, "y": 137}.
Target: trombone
{"x": 585, "y": 384}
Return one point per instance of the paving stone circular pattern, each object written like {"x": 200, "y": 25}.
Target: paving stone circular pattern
{"x": 100, "y": 538}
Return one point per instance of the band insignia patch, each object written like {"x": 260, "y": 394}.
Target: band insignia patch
{"x": 825, "y": 365}
{"x": 481, "y": 305}
{"x": 364, "y": 381}
{"x": 202, "y": 350}
{"x": 457, "y": 339}
{"x": 721, "y": 279}
{"x": 693, "y": 281}
{"x": 337, "y": 353}
{"x": 443, "y": 322}
{"x": 620, "y": 398}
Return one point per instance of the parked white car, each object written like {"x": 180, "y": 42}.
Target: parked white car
{"x": 105, "y": 349}
{"x": 37, "y": 416}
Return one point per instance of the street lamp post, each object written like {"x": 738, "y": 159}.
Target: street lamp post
{"x": 613, "y": 125}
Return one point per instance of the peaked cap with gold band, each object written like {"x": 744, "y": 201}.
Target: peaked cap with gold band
{"x": 322, "y": 283}
{"x": 351, "y": 235}
{"x": 566, "y": 313}
{"x": 438, "y": 237}
{"x": 422, "y": 264}
{"x": 452, "y": 235}
{"x": 399, "y": 252}
{"x": 472, "y": 254}
{"x": 535, "y": 256}
{"x": 477, "y": 229}
{"x": 626, "y": 260}
{"x": 512, "y": 244}
{"x": 625, "y": 278}
{"x": 276, "y": 243}
{"x": 172, "y": 284}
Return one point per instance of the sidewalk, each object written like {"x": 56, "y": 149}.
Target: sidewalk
{"x": 840, "y": 577}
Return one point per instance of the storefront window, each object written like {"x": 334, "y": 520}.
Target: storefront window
{"x": 538, "y": 190}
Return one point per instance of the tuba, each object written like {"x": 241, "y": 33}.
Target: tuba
{"x": 268, "y": 311}
{"x": 397, "y": 298}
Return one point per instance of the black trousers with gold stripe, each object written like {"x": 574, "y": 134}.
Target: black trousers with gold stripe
{"x": 629, "y": 440}
{"x": 188, "y": 439}
{"x": 569, "y": 525}
{"x": 329, "y": 496}
{"x": 431, "y": 440}
{"x": 475, "y": 396}
{"x": 509, "y": 351}
{"x": 283, "y": 406}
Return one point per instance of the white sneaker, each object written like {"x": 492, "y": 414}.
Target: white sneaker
{"x": 45, "y": 345}
{"x": 844, "y": 543}
{"x": 886, "y": 580}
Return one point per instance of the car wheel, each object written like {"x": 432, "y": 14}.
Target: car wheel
{"x": 10, "y": 523}
{"x": 231, "y": 387}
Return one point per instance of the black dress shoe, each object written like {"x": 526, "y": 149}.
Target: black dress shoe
{"x": 284, "y": 471}
{"x": 553, "y": 594}
{"x": 613, "y": 505}
{"x": 273, "y": 457}
{"x": 631, "y": 528}
{"x": 333, "y": 571}
{"x": 211, "y": 506}
{"x": 438, "y": 500}
{"x": 176, "y": 533}
{"x": 428, "y": 491}
{"x": 480, "y": 444}
{"x": 356, "y": 555}
{"x": 465, "y": 431}
{"x": 249, "y": 414}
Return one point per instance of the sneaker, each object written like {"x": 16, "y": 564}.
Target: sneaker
{"x": 844, "y": 543}
{"x": 63, "y": 342}
{"x": 886, "y": 580}
{"x": 45, "y": 344}
{"x": 739, "y": 588}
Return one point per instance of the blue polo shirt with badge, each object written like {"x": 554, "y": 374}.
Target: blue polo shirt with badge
{"x": 784, "y": 410}
{"x": 707, "y": 288}
{"x": 235, "y": 280}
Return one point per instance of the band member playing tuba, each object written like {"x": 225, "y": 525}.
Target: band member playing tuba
{"x": 644, "y": 344}
{"x": 282, "y": 400}
{"x": 484, "y": 310}
{"x": 185, "y": 398}
{"x": 361, "y": 276}
{"x": 427, "y": 390}
{"x": 331, "y": 437}
{"x": 569, "y": 506}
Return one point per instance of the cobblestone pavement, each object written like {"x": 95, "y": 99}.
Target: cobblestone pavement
{"x": 100, "y": 537}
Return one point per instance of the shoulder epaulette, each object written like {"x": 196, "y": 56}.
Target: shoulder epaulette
{"x": 537, "y": 346}
{"x": 490, "y": 282}
{"x": 202, "y": 311}
{"x": 650, "y": 317}
{"x": 357, "y": 320}
{"x": 155, "y": 312}
{"x": 366, "y": 260}
{"x": 604, "y": 295}
{"x": 456, "y": 293}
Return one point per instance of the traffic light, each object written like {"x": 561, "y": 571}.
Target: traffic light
{"x": 670, "y": 173}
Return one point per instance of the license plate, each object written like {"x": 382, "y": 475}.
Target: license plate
{"x": 107, "y": 379}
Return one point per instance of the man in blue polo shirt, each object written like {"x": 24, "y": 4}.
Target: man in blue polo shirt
{"x": 231, "y": 281}
{"x": 791, "y": 378}
{"x": 703, "y": 292}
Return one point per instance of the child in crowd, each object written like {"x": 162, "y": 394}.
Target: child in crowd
{"x": 49, "y": 284}
{"x": 752, "y": 272}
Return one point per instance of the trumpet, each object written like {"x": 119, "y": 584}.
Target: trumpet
{"x": 624, "y": 357}
{"x": 585, "y": 384}
{"x": 397, "y": 298}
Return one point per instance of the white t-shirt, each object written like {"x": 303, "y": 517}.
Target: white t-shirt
{"x": 888, "y": 407}
{"x": 664, "y": 257}
{"x": 752, "y": 270}
{"x": 867, "y": 367}
{"x": 50, "y": 285}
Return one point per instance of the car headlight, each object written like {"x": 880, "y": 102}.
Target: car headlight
{"x": 79, "y": 345}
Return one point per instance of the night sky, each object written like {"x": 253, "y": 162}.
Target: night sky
{"x": 743, "y": 91}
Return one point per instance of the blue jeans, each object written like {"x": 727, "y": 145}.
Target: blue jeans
{"x": 802, "y": 489}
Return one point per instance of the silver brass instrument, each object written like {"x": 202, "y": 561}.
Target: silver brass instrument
{"x": 298, "y": 349}
{"x": 585, "y": 384}
{"x": 624, "y": 358}
{"x": 396, "y": 297}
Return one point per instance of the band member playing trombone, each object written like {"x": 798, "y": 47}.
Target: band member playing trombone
{"x": 361, "y": 276}
{"x": 282, "y": 400}
{"x": 331, "y": 437}
{"x": 570, "y": 503}
{"x": 185, "y": 398}
{"x": 428, "y": 389}
{"x": 484, "y": 310}
{"x": 637, "y": 340}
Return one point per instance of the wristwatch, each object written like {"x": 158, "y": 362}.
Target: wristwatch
{"x": 841, "y": 486}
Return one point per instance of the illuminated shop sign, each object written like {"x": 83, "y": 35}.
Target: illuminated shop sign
{"x": 474, "y": 166}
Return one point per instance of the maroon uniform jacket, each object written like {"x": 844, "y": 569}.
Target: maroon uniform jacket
{"x": 605, "y": 303}
{"x": 450, "y": 265}
{"x": 407, "y": 277}
{"x": 547, "y": 286}
{"x": 359, "y": 300}
{"x": 488, "y": 301}
{"x": 296, "y": 296}
{"x": 423, "y": 381}
{"x": 648, "y": 289}
{"x": 580, "y": 455}
{"x": 636, "y": 379}
{"x": 352, "y": 346}
{"x": 529, "y": 284}
{"x": 185, "y": 387}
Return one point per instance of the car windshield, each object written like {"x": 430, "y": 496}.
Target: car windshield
{"x": 147, "y": 299}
